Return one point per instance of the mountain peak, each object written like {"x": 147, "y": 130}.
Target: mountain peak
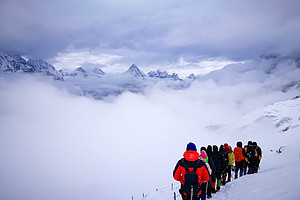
{"x": 135, "y": 71}
{"x": 192, "y": 76}
{"x": 162, "y": 75}
{"x": 17, "y": 63}
{"x": 98, "y": 71}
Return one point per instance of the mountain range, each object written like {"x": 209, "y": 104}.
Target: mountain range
{"x": 271, "y": 70}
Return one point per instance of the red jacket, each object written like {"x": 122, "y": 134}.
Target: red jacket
{"x": 191, "y": 157}
{"x": 238, "y": 154}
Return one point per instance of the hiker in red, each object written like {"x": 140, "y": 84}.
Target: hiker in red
{"x": 239, "y": 155}
{"x": 191, "y": 172}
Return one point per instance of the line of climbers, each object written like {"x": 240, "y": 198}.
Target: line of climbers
{"x": 202, "y": 174}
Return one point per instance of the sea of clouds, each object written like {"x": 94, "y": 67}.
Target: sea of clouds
{"x": 56, "y": 145}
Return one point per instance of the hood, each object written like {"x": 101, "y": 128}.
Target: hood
{"x": 239, "y": 144}
{"x": 191, "y": 155}
{"x": 215, "y": 149}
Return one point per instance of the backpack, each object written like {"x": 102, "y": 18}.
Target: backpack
{"x": 191, "y": 181}
{"x": 230, "y": 158}
{"x": 215, "y": 162}
{"x": 224, "y": 159}
{"x": 248, "y": 151}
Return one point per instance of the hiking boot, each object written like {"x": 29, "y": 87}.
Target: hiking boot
{"x": 223, "y": 180}
{"x": 229, "y": 179}
{"x": 213, "y": 186}
{"x": 209, "y": 196}
{"x": 203, "y": 196}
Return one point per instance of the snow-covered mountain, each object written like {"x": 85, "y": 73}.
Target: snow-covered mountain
{"x": 164, "y": 74}
{"x": 8, "y": 64}
{"x": 18, "y": 64}
{"x": 192, "y": 76}
{"x": 80, "y": 71}
{"x": 272, "y": 70}
{"x": 135, "y": 71}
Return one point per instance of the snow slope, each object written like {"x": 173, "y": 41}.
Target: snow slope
{"x": 277, "y": 127}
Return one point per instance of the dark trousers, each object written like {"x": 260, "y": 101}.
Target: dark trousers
{"x": 228, "y": 170}
{"x": 208, "y": 192}
{"x": 257, "y": 161}
{"x": 239, "y": 166}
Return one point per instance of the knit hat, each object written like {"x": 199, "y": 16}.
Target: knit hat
{"x": 225, "y": 145}
{"x": 228, "y": 149}
{"x": 203, "y": 154}
{"x": 191, "y": 146}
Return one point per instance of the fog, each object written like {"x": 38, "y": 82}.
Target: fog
{"x": 55, "y": 145}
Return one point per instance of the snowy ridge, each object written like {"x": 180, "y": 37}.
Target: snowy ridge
{"x": 283, "y": 116}
{"x": 164, "y": 74}
{"x": 18, "y": 64}
{"x": 272, "y": 70}
{"x": 279, "y": 165}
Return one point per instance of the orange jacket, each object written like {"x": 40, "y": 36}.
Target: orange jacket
{"x": 238, "y": 154}
{"x": 191, "y": 157}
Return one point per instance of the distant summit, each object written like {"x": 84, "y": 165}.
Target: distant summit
{"x": 162, "y": 75}
{"x": 135, "y": 71}
{"x": 8, "y": 64}
{"x": 98, "y": 71}
{"x": 192, "y": 77}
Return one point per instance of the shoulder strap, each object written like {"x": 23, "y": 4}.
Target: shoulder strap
{"x": 186, "y": 167}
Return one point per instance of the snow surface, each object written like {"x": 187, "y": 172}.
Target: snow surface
{"x": 55, "y": 145}
{"x": 278, "y": 177}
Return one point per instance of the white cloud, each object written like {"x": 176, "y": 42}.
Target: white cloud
{"x": 235, "y": 30}
{"x": 76, "y": 58}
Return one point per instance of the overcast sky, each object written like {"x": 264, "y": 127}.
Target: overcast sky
{"x": 169, "y": 33}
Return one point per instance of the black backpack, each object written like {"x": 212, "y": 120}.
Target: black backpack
{"x": 191, "y": 181}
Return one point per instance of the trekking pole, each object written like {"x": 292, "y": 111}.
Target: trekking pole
{"x": 192, "y": 192}
{"x": 174, "y": 195}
